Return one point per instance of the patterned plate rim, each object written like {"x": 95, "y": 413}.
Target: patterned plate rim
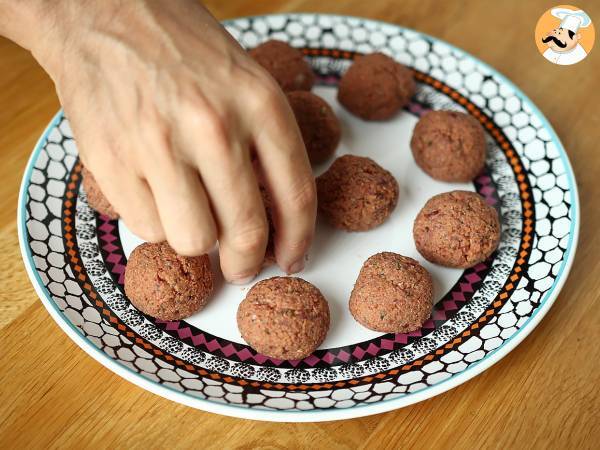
{"x": 325, "y": 414}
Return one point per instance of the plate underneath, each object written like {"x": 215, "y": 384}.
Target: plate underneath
{"x": 76, "y": 259}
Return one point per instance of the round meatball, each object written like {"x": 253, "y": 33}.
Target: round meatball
{"x": 165, "y": 285}
{"x": 286, "y": 64}
{"x": 284, "y": 318}
{"x": 356, "y": 194}
{"x": 375, "y": 87}
{"x": 393, "y": 294}
{"x": 457, "y": 229}
{"x": 449, "y": 146}
{"x": 95, "y": 197}
{"x": 318, "y": 124}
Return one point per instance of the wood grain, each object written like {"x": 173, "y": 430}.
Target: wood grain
{"x": 543, "y": 395}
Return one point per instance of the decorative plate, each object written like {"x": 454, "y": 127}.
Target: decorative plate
{"x": 76, "y": 258}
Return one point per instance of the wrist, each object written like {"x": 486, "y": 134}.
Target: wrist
{"x": 36, "y": 25}
{"x": 47, "y": 28}
{"x": 24, "y": 21}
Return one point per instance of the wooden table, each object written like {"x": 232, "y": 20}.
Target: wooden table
{"x": 544, "y": 394}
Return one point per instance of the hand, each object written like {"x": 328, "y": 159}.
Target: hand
{"x": 165, "y": 107}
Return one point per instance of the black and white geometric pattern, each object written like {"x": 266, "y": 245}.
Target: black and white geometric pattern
{"x": 505, "y": 257}
{"x": 542, "y": 157}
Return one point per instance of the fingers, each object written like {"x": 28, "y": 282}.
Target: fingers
{"x": 129, "y": 195}
{"x": 137, "y": 208}
{"x": 289, "y": 177}
{"x": 229, "y": 179}
{"x": 183, "y": 207}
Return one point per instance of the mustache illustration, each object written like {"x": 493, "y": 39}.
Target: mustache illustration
{"x": 555, "y": 40}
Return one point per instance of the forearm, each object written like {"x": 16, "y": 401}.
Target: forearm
{"x": 24, "y": 21}
{"x": 48, "y": 28}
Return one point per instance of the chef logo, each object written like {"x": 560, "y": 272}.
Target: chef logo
{"x": 564, "y": 35}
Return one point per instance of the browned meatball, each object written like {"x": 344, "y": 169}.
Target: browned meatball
{"x": 286, "y": 64}
{"x": 356, "y": 194}
{"x": 456, "y": 229}
{"x": 95, "y": 197}
{"x": 449, "y": 145}
{"x": 167, "y": 286}
{"x": 393, "y": 294}
{"x": 284, "y": 318}
{"x": 375, "y": 87}
{"x": 318, "y": 124}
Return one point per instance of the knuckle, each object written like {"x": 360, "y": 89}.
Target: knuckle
{"x": 266, "y": 96}
{"x": 205, "y": 119}
{"x": 191, "y": 98}
{"x": 304, "y": 196}
{"x": 298, "y": 246}
{"x": 251, "y": 239}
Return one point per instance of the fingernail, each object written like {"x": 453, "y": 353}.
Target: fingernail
{"x": 296, "y": 267}
{"x": 242, "y": 280}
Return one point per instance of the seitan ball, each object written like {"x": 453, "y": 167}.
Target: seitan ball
{"x": 356, "y": 194}
{"x": 457, "y": 229}
{"x": 95, "y": 197}
{"x": 318, "y": 124}
{"x": 286, "y": 64}
{"x": 376, "y": 87}
{"x": 165, "y": 285}
{"x": 392, "y": 294}
{"x": 449, "y": 146}
{"x": 284, "y": 318}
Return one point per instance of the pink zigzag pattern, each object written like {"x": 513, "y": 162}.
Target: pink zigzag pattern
{"x": 109, "y": 241}
{"x": 340, "y": 355}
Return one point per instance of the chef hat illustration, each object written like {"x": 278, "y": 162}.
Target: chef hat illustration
{"x": 571, "y": 20}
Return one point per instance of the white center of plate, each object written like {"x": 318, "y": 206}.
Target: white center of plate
{"x": 337, "y": 256}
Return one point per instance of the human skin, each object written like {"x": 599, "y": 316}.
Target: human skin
{"x": 165, "y": 107}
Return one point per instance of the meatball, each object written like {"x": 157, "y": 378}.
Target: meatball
{"x": 167, "y": 286}
{"x": 457, "y": 229}
{"x": 95, "y": 197}
{"x": 375, "y": 87}
{"x": 284, "y": 318}
{"x": 318, "y": 124}
{"x": 356, "y": 194}
{"x": 286, "y": 64}
{"x": 449, "y": 146}
{"x": 392, "y": 294}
